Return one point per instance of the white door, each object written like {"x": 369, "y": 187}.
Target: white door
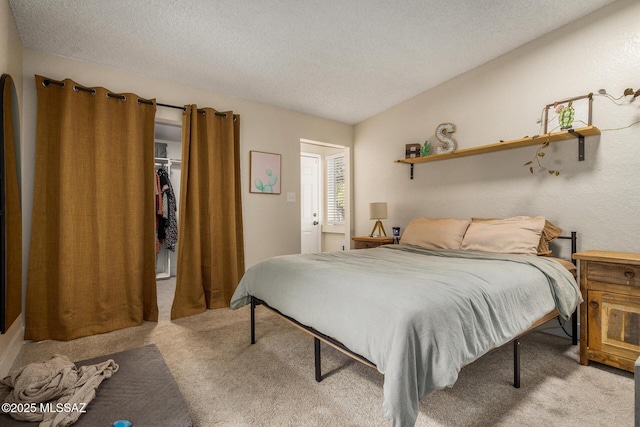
{"x": 310, "y": 202}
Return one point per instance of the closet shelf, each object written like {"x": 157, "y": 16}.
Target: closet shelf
{"x": 564, "y": 135}
{"x": 165, "y": 141}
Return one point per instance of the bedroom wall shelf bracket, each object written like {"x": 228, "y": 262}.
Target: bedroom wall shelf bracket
{"x": 580, "y": 144}
{"x": 564, "y": 135}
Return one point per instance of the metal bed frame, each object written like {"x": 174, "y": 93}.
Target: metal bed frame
{"x": 319, "y": 336}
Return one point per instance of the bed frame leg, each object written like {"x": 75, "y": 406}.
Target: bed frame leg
{"x": 574, "y": 327}
{"x": 253, "y": 320}
{"x": 316, "y": 345}
{"x": 516, "y": 363}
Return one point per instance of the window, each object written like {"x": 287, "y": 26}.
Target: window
{"x": 335, "y": 189}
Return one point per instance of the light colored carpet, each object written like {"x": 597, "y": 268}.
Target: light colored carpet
{"x": 228, "y": 382}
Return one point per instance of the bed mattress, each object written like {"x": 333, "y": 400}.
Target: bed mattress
{"x": 419, "y": 315}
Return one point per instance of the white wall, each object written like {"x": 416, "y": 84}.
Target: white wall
{"x": 11, "y": 63}
{"x": 502, "y": 100}
{"x": 10, "y": 46}
{"x": 271, "y": 225}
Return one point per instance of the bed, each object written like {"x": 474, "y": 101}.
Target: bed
{"x": 420, "y": 311}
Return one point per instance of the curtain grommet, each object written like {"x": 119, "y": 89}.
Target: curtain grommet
{"x": 113, "y": 95}
{"x": 77, "y": 88}
{"x": 47, "y": 83}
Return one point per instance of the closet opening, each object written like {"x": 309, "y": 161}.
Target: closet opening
{"x": 168, "y": 154}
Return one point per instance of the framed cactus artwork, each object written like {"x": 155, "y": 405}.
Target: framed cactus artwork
{"x": 265, "y": 172}
{"x": 568, "y": 114}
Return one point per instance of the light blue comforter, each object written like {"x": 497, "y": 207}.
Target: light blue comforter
{"x": 419, "y": 315}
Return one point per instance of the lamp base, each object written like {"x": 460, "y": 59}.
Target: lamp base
{"x": 378, "y": 226}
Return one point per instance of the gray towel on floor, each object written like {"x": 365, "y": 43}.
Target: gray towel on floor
{"x": 58, "y": 382}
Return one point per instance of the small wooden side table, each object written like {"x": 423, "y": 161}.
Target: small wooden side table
{"x": 366, "y": 242}
{"x": 610, "y": 313}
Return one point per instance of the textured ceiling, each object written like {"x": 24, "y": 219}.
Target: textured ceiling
{"x": 345, "y": 60}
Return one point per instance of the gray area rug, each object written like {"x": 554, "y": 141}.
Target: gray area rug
{"x": 143, "y": 391}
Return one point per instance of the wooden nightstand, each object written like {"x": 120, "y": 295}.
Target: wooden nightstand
{"x": 366, "y": 242}
{"x": 610, "y": 313}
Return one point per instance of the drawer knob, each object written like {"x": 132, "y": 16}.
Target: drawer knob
{"x": 629, "y": 274}
{"x": 593, "y": 303}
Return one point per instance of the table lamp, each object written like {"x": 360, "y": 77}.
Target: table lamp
{"x": 378, "y": 211}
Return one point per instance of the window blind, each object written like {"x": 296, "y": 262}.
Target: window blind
{"x": 335, "y": 189}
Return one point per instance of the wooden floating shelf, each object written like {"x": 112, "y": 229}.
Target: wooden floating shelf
{"x": 564, "y": 135}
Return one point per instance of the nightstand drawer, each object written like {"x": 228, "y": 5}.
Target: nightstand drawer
{"x": 366, "y": 242}
{"x": 618, "y": 274}
{"x": 365, "y": 245}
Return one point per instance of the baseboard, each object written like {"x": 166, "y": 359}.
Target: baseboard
{"x": 10, "y": 345}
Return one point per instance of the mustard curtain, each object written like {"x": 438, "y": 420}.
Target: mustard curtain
{"x": 211, "y": 247}
{"x": 92, "y": 258}
{"x": 13, "y": 215}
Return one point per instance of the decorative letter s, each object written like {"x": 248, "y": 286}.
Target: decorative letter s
{"x": 448, "y": 143}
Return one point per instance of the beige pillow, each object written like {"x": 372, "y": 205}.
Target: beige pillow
{"x": 515, "y": 235}
{"x": 435, "y": 233}
{"x": 550, "y": 232}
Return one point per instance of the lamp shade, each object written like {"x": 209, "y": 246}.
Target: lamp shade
{"x": 378, "y": 210}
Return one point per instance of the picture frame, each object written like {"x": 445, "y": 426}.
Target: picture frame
{"x": 264, "y": 172}
{"x": 580, "y": 115}
{"x": 412, "y": 151}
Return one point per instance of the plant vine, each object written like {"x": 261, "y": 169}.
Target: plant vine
{"x": 536, "y": 163}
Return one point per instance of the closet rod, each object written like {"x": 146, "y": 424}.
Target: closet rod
{"x": 47, "y": 82}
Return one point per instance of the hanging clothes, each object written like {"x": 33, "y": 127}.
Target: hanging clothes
{"x": 166, "y": 211}
{"x": 156, "y": 187}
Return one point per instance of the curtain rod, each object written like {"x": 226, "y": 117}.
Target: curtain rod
{"x": 76, "y": 87}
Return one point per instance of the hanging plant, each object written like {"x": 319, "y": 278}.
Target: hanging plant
{"x": 627, "y": 92}
{"x": 566, "y": 116}
{"x": 536, "y": 163}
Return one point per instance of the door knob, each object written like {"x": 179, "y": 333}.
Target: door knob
{"x": 315, "y": 222}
